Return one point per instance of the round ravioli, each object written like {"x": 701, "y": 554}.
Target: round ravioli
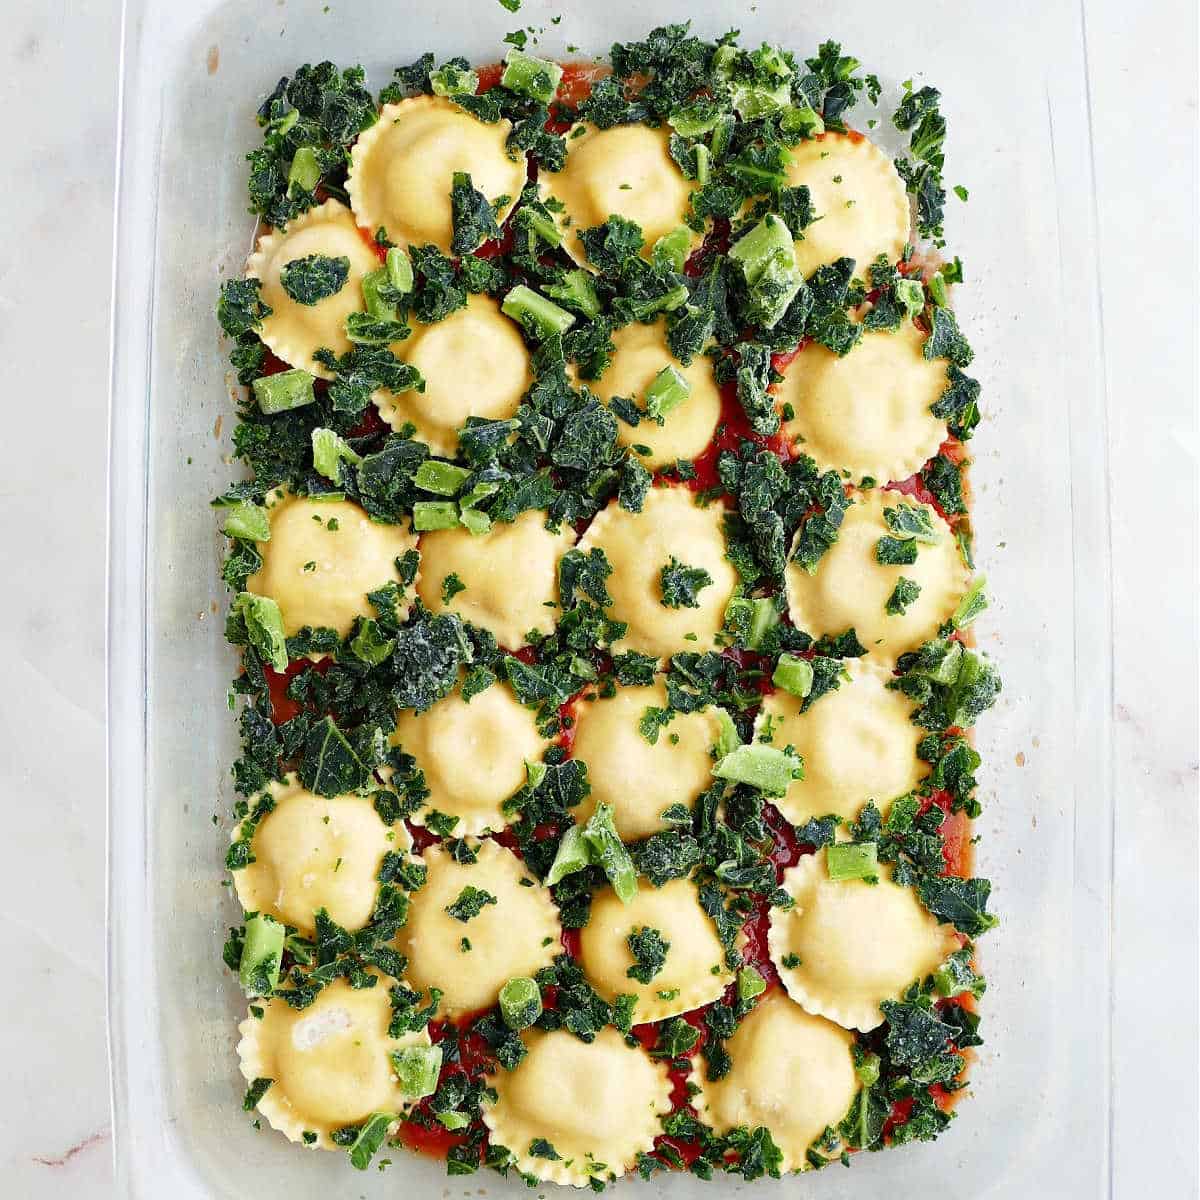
{"x": 509, "y": 575}
{"x": 314, "y": 852}
{"x": 328, "y": 1063}
{"x": 641, "y": 353}
{"x": 470, "y": 945}
{"x": 691, "y": 973}
{"x": 474, "y": 364}
{"x": 322, "y": 559}
{"x": 598, "y": 1104}
{"x": 403, "y": 167}
{"x": 792, "y": 1072}
{"x": 636, "y": 777}
{"x": 858, "y": 744}
{"x": 850, "y": 588}
{"x": 857, "y": 197}
{"x": 294, "y": 331}
{"x": 848, "y": 945}
{"x": 626, "y": 171}
{"x": 473, "y": 753}
{"x": 671, "y": 533}
{"x": 867, "y": 413}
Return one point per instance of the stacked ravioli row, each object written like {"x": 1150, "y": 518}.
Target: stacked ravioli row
{"x": 842, "y": 947}
{"x": 867, "y": 414}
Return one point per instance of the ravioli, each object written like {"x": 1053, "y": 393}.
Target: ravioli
{"x": 858, "y": 744}
{"x": 509, "y": 575}
{"x": 294, "y": 331}
{"x": 474, "y": 364}
{"x": 313, "y": 852}
{"x": 866, "y": 414}
{"x": 792, "y": 1072}
{"x": 626, "y": 171}
{"x": 637, "y": 778}
{"x": 850, "y": 588}
{"x": 598, "y": 1104}
{"x": 322, "y": 559}
{"x": 694, "y": 971}
{"x": 473, "y": 753}
{"x": 858, "y": 944}
{"x": 858, "y": 198}
{"x": 328, "y": 1063}
{"x": 641, "y": 353}
{"x": 639, "y": 545}
{"x": 471, "y": 960}
{"x": 402, "y": 169}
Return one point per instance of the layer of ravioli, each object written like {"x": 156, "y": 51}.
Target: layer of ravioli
{"x": 866, "y": 414}
{"x": 470, "y": 961}
{"x": 858, "y": 744}
{"x": 857, "y": 197}
{"x": 402, "y": 169}
{"x": 313, "y": 852}
{"x": 640, "y": 353}
{"x": 639, "y": 546}
{"x": 636, "y": 778}
{"x": 626, "y": 171}
{"x": 598, "y": 1104}
{"x": 858, "y": 943}
{"x": 474, "y": 754}
{"x": 474, "y": 364}
{"x": 294, "y": 331}
{"x": 693, "y": 972}
{"x": 509, "y": 575}
{"x": 328, "y": 1063}
{"x": 850, "y": 588}
{"x": 322, "y": 559}
{"x": 792, "y": 1072}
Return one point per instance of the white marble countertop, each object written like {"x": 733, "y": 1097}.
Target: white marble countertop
{"x": 58, "y": 89}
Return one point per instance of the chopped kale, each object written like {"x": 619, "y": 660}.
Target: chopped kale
{"x": 470, "y": 903}
{"x": 681, "y": 585}
{"x": 314, "y": 278}
{"x": 649, "y": 952}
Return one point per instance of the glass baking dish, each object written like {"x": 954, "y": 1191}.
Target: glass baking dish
{"x": 1013, "y": 77}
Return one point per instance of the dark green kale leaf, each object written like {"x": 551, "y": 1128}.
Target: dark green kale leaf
{"x": 586, "y": 572}
{"x": 470, "y": 903}
{"x": 675, "y": 64}
{"x": 363, "y": 370}
{"x": 666, "y": 856}
{"x": 314, "y": 278}
{"x": 754, "y": 375}
{"x": 330, "y": 766}
{"x": 757, "y": 1153}
{"x": 831, "y": 85}
{"x": 649, "y": 952}
{"x": 828, "y": 321}
{"x": 953, "y": 685}
{"x": 958, "y": 405}
{"x": 681, "y": 585}
{"x": 819, "y": 530}
{"x": 903, "y": 594}
{"x": 895, "y": 552}
{"x": 943, "y": 478}
{"x": 960, "y": 902}
{"x": 919, "y": 115}
{"x": 241, "y": 309}
{"x": 676, "y": 1039}
{"x": 609, "y": 245}
{"x": 914, "y": 1032}
{"x": 430, "y": 650}
{"x": 308, "y": 124}
{"x": 945, "y": 340}
{"x": 471, "y": 214}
